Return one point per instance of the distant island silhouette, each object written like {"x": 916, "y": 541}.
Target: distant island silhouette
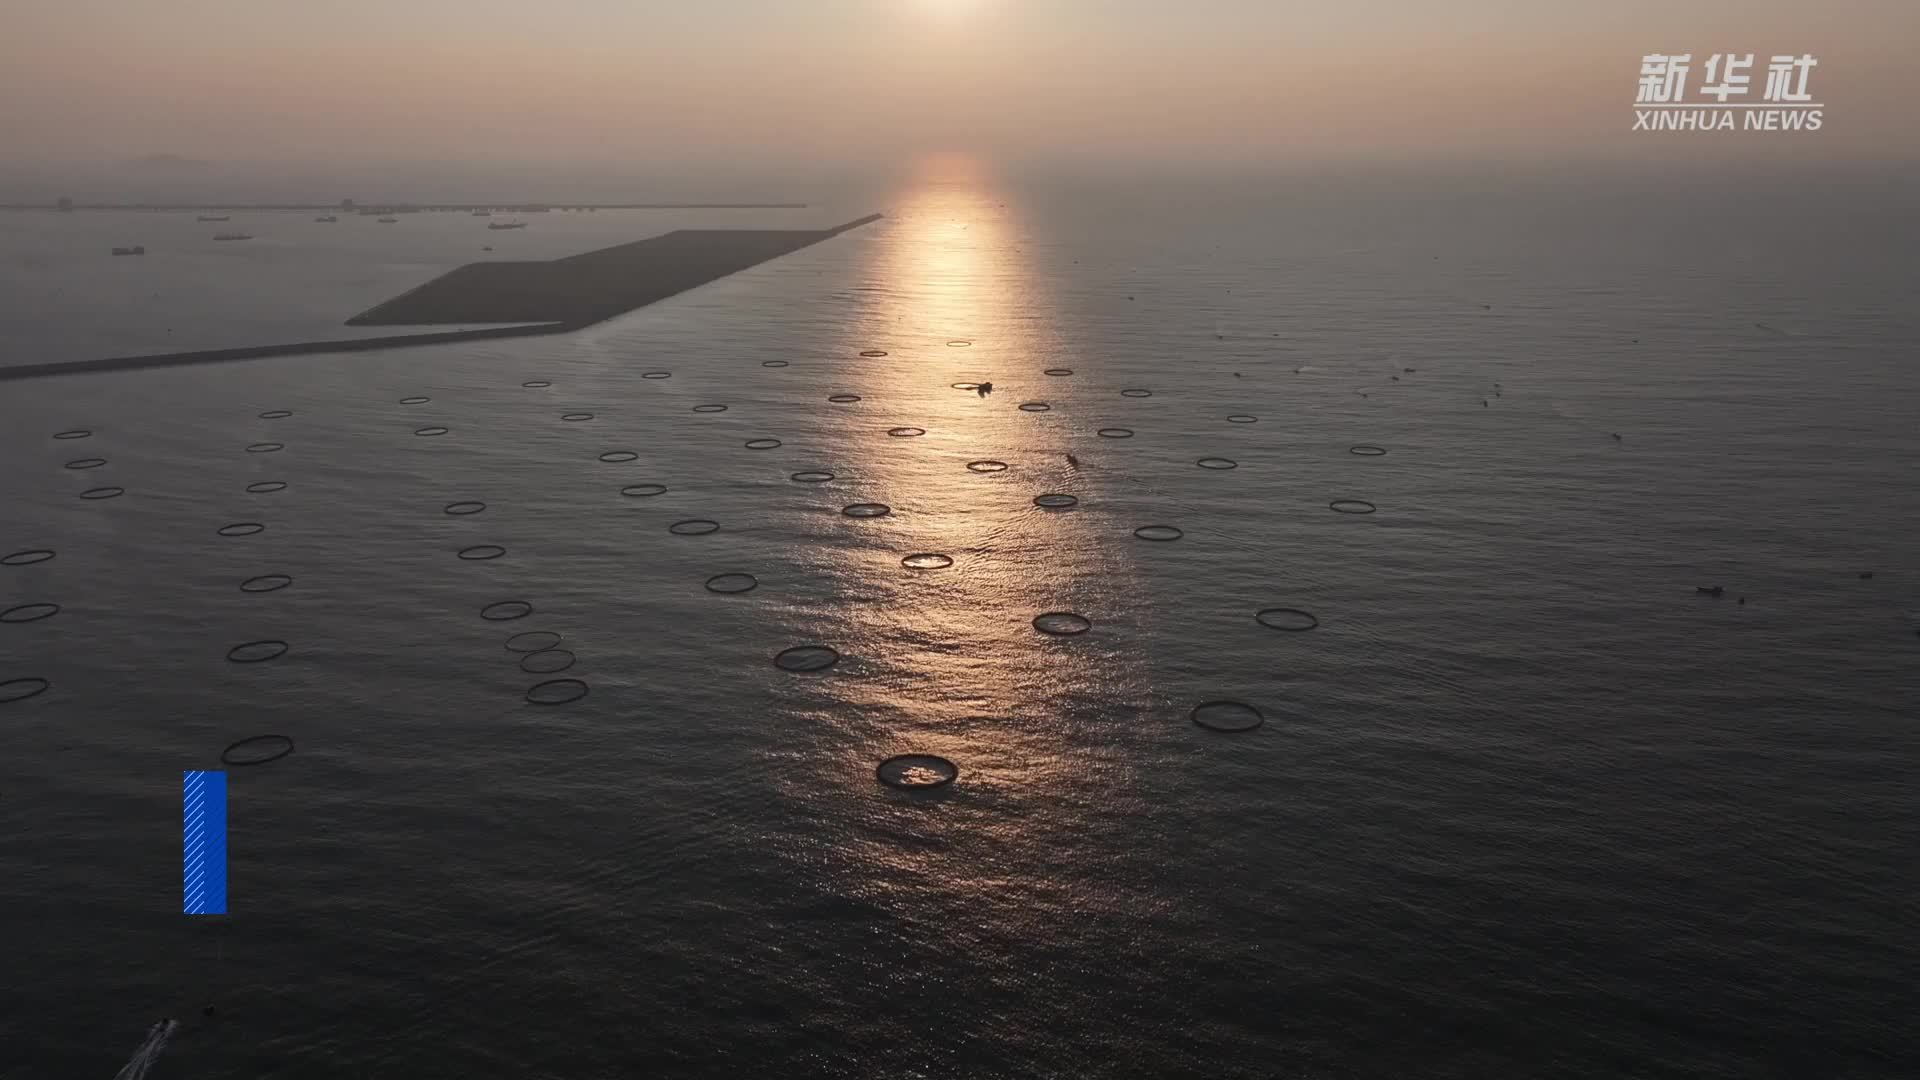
{"x": 403, "y": 207}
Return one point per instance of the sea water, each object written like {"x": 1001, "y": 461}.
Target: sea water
{"x": 1485, "y": 787}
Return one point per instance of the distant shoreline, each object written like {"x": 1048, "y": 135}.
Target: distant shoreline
{"x": 523, "y": 207}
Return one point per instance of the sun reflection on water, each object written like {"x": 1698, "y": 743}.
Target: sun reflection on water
{"x": 946, "y": 660}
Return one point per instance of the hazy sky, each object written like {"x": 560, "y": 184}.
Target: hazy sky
{"x": 611, "y": 83}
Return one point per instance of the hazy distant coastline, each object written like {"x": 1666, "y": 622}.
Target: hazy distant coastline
{"x": 351, "y": 205}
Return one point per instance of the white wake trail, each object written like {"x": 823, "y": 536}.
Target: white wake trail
{"x": 145, "y": 1058}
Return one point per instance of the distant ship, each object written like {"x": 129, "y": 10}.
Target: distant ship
{"x": 388, "y": 220}
{"x": 221, "y": 218}
{"x": 483, "y": 213}
{"x": 233, "y": 236}
{"x": 328, "y": 219}
{"x": 136, "y": 249}
{"x": 508, "y": 225}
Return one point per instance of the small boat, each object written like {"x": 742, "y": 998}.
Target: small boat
{"x": 388, "y": 220}
{"x": 233, "y": 236}
{"x": 1706, "y": 591}
{"x": 508, "y": 225}
{"x": 483, "y": 213}
{"x": 136, "y": 249}
{"x": 223, "y": 217}
{"x": 327, "y": 219}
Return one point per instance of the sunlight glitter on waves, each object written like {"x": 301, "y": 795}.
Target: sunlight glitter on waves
{"x": 947, "y": 660}
{"x": 951, "y": 266}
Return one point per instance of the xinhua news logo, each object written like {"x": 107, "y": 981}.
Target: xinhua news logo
{"x": 1662, "y": 103}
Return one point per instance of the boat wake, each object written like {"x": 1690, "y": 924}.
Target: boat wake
{"x": 145, "y": 1058}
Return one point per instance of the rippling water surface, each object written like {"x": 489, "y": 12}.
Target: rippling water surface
{"x": 1522, "y": 803}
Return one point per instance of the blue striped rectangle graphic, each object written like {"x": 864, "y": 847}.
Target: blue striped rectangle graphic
{"x": 203, "y": 842}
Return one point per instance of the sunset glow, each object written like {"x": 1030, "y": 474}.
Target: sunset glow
{"x": 861, "y": 82}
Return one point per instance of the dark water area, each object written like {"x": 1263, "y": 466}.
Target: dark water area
{"x": 594, "y": 286}
{"x": 65, "y": 297}
{"x": 1512, "y": 799}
